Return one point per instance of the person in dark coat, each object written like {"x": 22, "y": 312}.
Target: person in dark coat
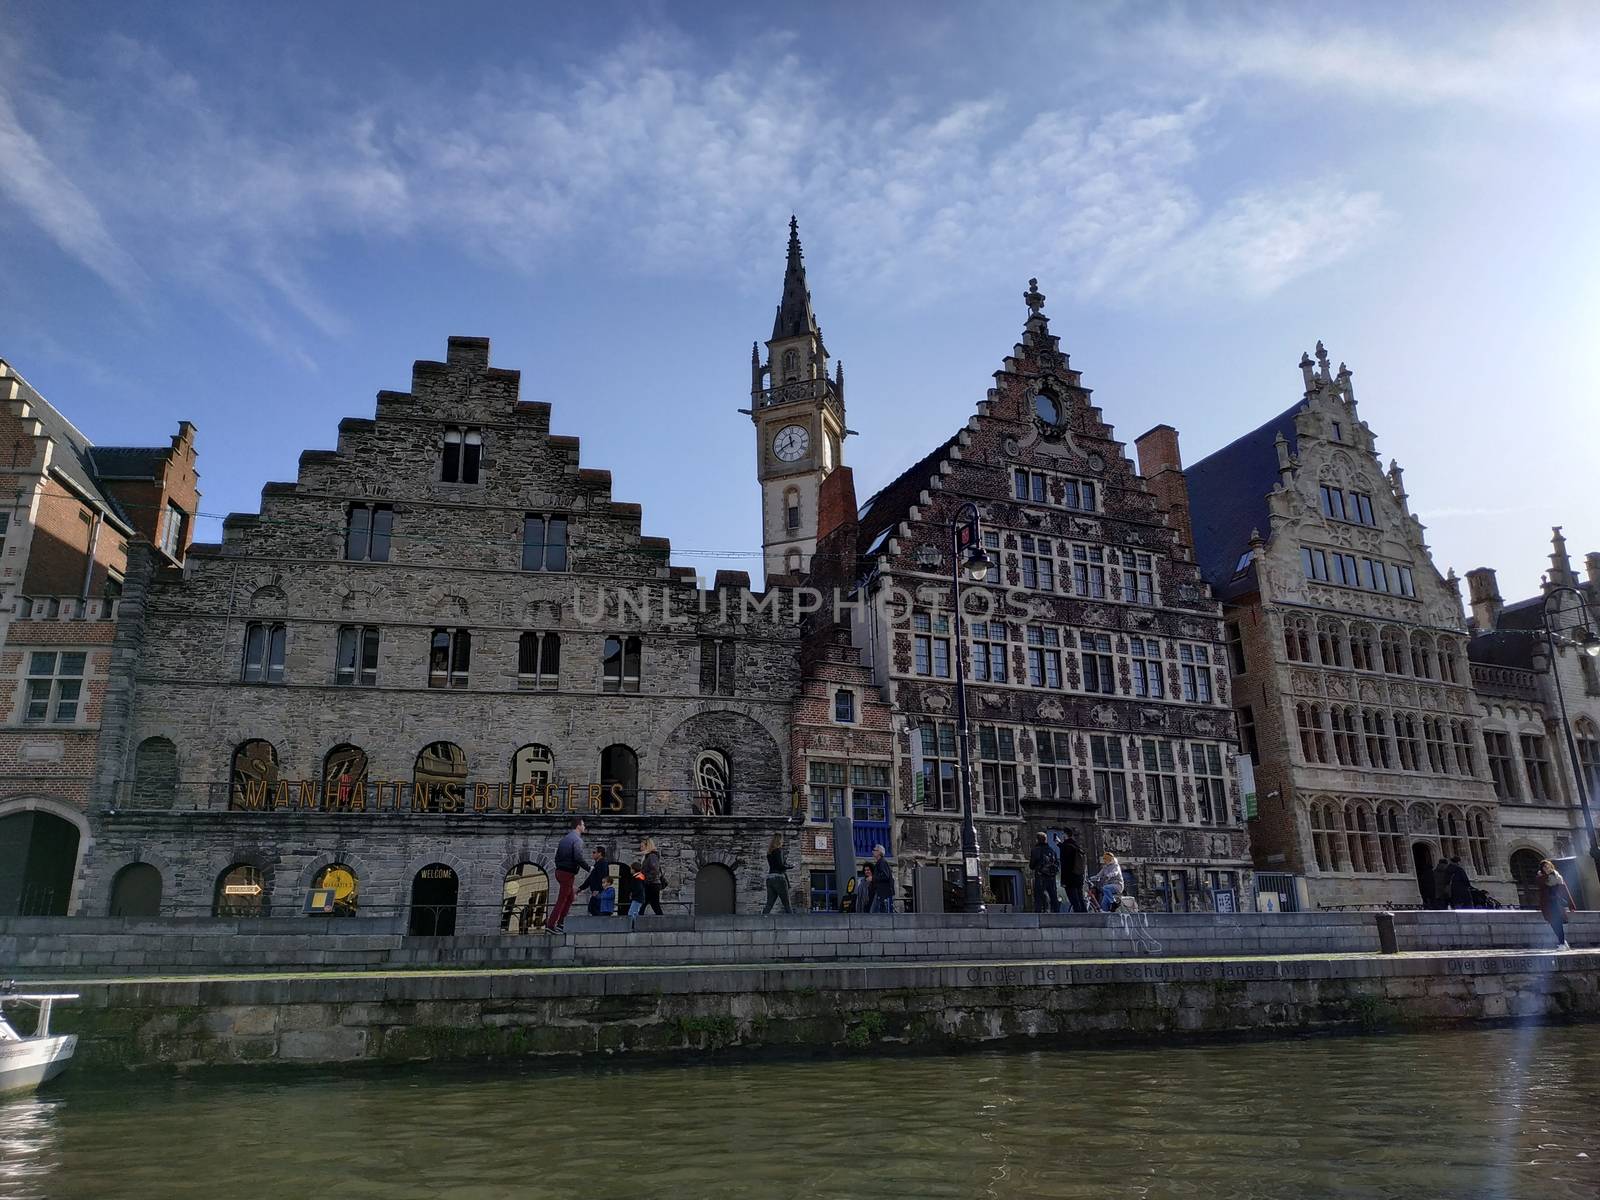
{"x": 882, "y": 882}
{"x": 569, "y": 861}
{"x": 1555, "y": 900}
{"x": 1072, "y": 872}
{"x": 1441, "y": 884}
{"x": 1044, "y": 864}
{"x": 777, "y": 876}
{"x": 598, "y": 879}
{"x": 1460, "y": 885}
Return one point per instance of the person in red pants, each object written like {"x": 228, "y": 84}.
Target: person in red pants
{"x": 569, "y": 861}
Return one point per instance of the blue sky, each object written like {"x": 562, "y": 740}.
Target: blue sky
{"x": 255, "y": 217}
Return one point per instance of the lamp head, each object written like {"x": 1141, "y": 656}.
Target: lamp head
{"x": 1587, "y": 642}
{"x": 977, "y": 564}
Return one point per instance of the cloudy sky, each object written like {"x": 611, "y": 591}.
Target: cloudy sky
{"x": 255, "y": 217}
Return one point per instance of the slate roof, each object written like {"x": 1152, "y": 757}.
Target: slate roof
{"x": 128, "y": 462}
{"x": 1228, "y": 498}
{"x": 1504, "y": 648}
{"x": 794, "y": 316}
{"x": 1524, "y": 615}
{"x": 890, "y": 504}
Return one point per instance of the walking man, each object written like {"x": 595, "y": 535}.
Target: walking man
{"x": 569, "y": 861}
{"x": 1072, "y": 872}
{"x": 882, "y": 883}
{"x": 1045, "y": 866}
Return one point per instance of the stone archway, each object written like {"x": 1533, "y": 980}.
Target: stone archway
{"x": 1422, "y": 863}
{"x": 1525, "y": 874}
{"x": 714, "y": 891}
{"x": 136, "y": 891}
{"x": 42, "y": 843}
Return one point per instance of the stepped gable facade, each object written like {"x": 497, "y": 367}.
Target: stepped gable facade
{"x": 1097, "y": 696}
{"x": 1348, "y": 654}
{"x": 389, "y": 690}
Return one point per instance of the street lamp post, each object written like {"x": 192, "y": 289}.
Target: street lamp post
{"x": 966, "y": 554}
{"x": 1586, "y": 642}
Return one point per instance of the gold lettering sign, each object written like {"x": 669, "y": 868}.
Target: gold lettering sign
{"x": 425, "y": 796}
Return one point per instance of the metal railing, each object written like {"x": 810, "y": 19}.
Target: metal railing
{"x": 800, "y": 389}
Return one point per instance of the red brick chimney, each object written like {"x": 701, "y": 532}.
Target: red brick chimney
{"x": 834, "y": 562}
{"x": 1162, "y": 468}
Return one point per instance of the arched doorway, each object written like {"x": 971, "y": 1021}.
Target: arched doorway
{"x": 526, "y": 899}
{"x": 38, "y": 860}
{"x": 344, "y": 884}
{"x": 1422, "y": 860}
{"x": 1525, "y": 874}
{"x": 713, "y": 891}
{"x": 136, "y": 891}
{"x": 433, "y": 901}
{"x": 241, "y": 892}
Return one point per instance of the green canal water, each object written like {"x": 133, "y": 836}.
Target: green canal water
{"x": 1484, "y": 1113}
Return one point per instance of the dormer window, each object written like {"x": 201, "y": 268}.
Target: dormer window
{"x": 463, "y": 455}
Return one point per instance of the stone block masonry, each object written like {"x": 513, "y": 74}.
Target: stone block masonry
{"x": 567, "y": 1016}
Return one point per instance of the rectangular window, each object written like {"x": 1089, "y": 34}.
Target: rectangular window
{"x": 1374, "y": 575}
{"x": 1433, "y": 735}
{"x": 1315, "y": 563}
{"x": 463, "y": 454}
{"x": 1089, "y": 572}
{"x": 824, "y": 892}
{"x": 1210, "y": 784}
{"x": 1502, "y": 765}
{"x": 1161, "y": 780}
{"x": 1138, "y": 578}
{"x": 539, "y": 660}
{"x": 1038, "y": 565}
{"x": 792, "y": 512}
{"x": 449, "y": 658}
{"x": 930, "y": 642}
{"x": 55, "y": 686}
{"x": 988, "y": 651}
{"x": 1332, "y": 503}
{"x": 1080, "y": 495}
{"x": 366, "y": 534}
{"x": 1407, "y": 742}
{"x": 1194, "y": 664}
{"x": 1407, "y": 587}
{"x": 357, "y": 661}
{"x": 844, "y": 707}
{"x": 1044, "y": 657}
{"x": 997, "y": 765}
{"x": 544, "y": 543}
{"x": 1346, "y": 738}
{"x": 173, "y": 524}
{"x": 1055, "y": 764}
{"x": 620, "y": 665}
{"x": 1099, "y": 673}
{"x": 827, "y": 790}
{"x": 1361, "y": 509}
{"x": 1146, "y": 667}
{"x": 940, "y": 761}
{"x": 1110, "y": 777}
{"x": 1030, "y": 486}
{"x": 1345, "y": 571}
{"x": 1235, "y": 647}
{"x": 263, "y": 652}
{"x": 1536, "y": 760}
{"x": 716, "y": 666}
{"x": 1247, "y": 734}
{"x": 1376, "y": 727}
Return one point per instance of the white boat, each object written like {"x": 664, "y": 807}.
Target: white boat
{"x": 26, "y": 1062}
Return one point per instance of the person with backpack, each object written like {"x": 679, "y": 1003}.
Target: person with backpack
{"x": 569, "y": 861}
{"x": 1045, "y": 866}
{"x": 654, "y": 878}
{"x": 1072, "y": 871}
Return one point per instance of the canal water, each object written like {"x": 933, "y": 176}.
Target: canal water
{"x": 1484, "y": 1113}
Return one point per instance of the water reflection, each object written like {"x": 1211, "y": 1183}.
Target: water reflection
{"x": 1492, "y": 1113}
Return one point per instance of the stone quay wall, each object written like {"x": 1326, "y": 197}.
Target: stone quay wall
{"x": 587, "y": 1015}
{"x": 75, "y": 947}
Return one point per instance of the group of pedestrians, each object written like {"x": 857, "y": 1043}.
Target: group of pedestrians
{"x": 871, "y": 890}
{"x": 642, "y": 880}
{"x": 1057, "y": 871}
{"x": 1452, "y": 888}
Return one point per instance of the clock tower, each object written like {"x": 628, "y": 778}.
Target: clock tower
{"x": 799, "y": 419}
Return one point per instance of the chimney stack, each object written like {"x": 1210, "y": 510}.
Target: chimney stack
{"x": 1486, "y": 602}
{"x": 1162, "y": 467}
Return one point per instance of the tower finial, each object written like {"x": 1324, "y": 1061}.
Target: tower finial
{"x": 1034, "y": 299}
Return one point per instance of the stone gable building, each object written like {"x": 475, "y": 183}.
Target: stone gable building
{"x": 1097, "y": 697}
{"x": 1528, "y": 747}
{"x": 1348, "y": 655}
{"x": 389, "y": 690}
{"x": 72, "y": 509}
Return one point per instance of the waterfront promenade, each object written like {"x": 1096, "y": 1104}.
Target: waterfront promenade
{"x": 744, "y": 985}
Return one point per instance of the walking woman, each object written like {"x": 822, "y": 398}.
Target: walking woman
{"x": 1554, "y": 901}
{"x": 653, "y": 879}
{"x": 777, "y": 876}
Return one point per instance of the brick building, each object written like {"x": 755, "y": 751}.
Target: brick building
{"x": 1348, "y": 654}
{"x": 70, "y": 511}
{"x": 395, "y": 684}
{"x": 1097, "y": 697}
{"x": 1526, "y": 746}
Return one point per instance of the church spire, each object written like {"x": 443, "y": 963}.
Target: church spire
{"x": 795, "y": 318}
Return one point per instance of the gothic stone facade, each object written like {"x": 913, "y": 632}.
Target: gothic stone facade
{"x": 1097, "y": 697}
{"x": 426, "y": 653}
{"x": 1348, "y": 652}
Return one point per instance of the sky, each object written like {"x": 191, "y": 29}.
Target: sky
{"x": 256, "y": 217}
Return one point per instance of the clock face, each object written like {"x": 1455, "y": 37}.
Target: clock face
{"x": 791, "y": 443}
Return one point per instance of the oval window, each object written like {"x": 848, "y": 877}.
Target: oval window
{"x": 1047, "y": 408}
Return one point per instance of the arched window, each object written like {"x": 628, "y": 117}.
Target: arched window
{"x": 433, "y": 901}
{"x": 1391, "y": 836}
{"x": 791, "y": 364}
{"x": 1313, "y": 739}
{"x": 1462, "y": 734}
{"x": 1422, "y": 656}
{"x": 1355, "y": 844}
{"x": 526, "y": 899}
{"x": 1330, "y": 643}
{"x": 532, "y": 768}
{"x": 1408, "y": 741}
{"x": 264, "y": 643}
{"x": 340, "y": 879}
{"x": 254, "y": 774}
{"x": 620, "y": 765}
{"x": 344, "y": 778}
{"x": 791, "y": 508}
{"x": 155, "y": 773}
{"x": 1451, "y": 827}
{"x": 1448, "y": 649}
{"x": 440, "y": 764}
{"x": 1363, "y": 648}
{"x": 1394, "y": 652}
{"x": 241, "y": 892}
{"x": 136, "y": 891}
{"x": 1346, "y": 738}
{"x": 1375, "y": 724}
{"x": 1297, "y": 639}
{"x": 1324, "y": 835}
{"x": 711, "y": 781}
{"x": 1479, "y": 843}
